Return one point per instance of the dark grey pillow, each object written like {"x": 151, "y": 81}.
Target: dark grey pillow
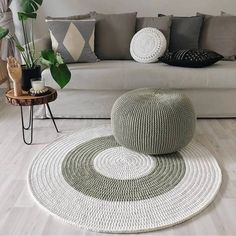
{"x": 73, "y": 39}
{"x": 185, "y": 32}
{"x": 161, "y": 23}
{"x": 113, "y": 35}
{"x": 219, "y": 35}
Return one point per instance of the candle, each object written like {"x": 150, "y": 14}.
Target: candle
{"x": 37, "y": 85}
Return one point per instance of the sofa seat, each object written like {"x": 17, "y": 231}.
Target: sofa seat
{"x": 128, "y": 75}
{"x": 94, "y": 87}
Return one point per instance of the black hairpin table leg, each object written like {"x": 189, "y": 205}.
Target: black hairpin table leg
{"x": 30, "y": 125}
{"x": 27, "y": 100}
{"x": 50, "y": 112}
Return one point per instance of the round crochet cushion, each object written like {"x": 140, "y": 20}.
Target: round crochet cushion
{"x": 153, "y": 121}
{"x": 148, "y": 45}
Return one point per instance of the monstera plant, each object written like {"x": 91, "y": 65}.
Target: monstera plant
{"x": 27, "y": 15}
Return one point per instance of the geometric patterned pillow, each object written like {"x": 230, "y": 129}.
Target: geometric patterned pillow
{"x": 73, "y": 39}
{"x": 195, "y": 58}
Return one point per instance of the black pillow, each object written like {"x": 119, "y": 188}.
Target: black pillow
{"x": 191, "y": 58}
{"x": 185, "y": 32}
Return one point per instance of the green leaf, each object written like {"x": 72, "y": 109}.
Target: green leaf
{"x": 49, "y": 57}
{"x": 30, "y": 6}
{"x": 26, "y": 16}
{"x": 59, "y": 70}
{"x": 3, "y": 32}
{"x": 20, "y": 48}
{"x": 61, "y": 74}
{"x": 45, "y": 62}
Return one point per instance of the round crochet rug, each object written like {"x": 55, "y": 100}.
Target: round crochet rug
{"x": 90, "y": 181}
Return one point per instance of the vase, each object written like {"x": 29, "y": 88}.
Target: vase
{"x": 28, "y": 74}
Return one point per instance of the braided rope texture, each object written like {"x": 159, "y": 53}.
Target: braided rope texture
{"x": 63, "y": 180}
{"x": 80, "y": 171}
{"x": 153, "y": 121}
{"x": 148, "y": 45}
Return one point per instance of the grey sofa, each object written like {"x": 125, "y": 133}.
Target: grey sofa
{"x": 94, "y": 87}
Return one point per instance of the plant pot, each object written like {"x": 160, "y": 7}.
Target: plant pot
{"x": 28, "y": 74}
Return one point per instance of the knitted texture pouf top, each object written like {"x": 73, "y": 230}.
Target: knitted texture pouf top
{"x": 153, "y": 121}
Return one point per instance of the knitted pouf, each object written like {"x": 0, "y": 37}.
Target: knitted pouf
{"x": 153, "y": 121}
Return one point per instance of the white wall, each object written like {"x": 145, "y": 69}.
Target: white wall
{"x": 143, "y": 7}
{"x": 14, "y": 7}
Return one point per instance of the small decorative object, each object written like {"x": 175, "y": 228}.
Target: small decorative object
{"x": 153, "y": 121}
{"x": 148, "y": 45}
{"x": 15, "y": 74}
{"x": 195, "y": 58}
{"x": 39, "y": 92}
{"x": 37, "y": 84}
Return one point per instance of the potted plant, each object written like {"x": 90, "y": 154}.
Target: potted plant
{"x": 31, "y": 69}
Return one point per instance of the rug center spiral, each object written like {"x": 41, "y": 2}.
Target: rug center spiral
{"x": 121, "y": 163}
{"x": 100, "y": 168}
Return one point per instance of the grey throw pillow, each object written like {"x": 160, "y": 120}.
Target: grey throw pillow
{"x": 73, "y": 39}
{"x": 161, "y": 23}
{"x": 219, "y": 35}
{"x": 113, "y": 35}
{"x": 75, "y": 17}
{"x": 185, "y": 32}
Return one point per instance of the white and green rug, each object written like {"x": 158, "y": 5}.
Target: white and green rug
{"x": 90, "y": 181}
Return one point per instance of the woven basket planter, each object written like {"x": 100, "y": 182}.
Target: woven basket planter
{"x": 153, "y": 121}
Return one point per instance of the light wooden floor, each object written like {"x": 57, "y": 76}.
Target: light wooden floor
{"x": 19, "y": 215}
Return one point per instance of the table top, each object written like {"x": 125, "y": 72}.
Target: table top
{"x": 28, "y": 100}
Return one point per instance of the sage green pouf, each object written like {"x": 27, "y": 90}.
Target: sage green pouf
{"x": 153, "y": 121}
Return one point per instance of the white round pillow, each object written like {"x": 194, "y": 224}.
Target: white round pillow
{"x": 148, "y": 45}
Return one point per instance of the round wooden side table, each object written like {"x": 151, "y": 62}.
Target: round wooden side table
{"x": 31, "y": 101}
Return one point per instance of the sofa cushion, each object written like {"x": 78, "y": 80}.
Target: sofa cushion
{"x": 74, "y": 17}
{"x": 194, "y": 58}
{"x": 113, "y": 35}
{"x": 219, "y": 34}
{"x": 127, "y": 75}
{"x": 73, "y": 39}
{"x": 185, "y": 32}
{"x": 161, "y": 23}
{"x": 147, "y": 45}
